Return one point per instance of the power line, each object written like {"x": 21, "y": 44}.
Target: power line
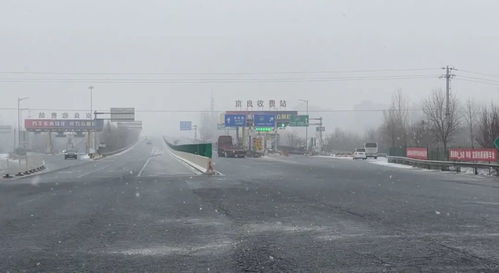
{"x": 479, "y": 73}
{"x": 193, "y": 111}
{"x": 217, "y": 80}
{"x": 219, "y": 73}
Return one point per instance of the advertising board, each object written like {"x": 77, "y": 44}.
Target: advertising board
{"x": 465, "y": 154}
{"x": 417, "y": 153}
{"x": 63, "y": 125}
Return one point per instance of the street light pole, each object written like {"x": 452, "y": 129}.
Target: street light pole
{"x": 89, "y": 138}
{"x": 19, "y": 99}
{"x": 91, "y": 100}
{"x": 306, "y": 128}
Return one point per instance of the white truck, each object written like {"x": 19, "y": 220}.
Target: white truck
{"x": 371, "y": 149}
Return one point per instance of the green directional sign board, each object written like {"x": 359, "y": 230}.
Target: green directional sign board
{"x": 496, "y": 142}
{"x": 299, "y": 121}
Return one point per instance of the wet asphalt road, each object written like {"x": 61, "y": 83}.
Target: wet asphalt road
{"x": 143, "y": 211}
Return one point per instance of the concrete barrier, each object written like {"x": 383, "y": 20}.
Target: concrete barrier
{"x": 201, "y": 163}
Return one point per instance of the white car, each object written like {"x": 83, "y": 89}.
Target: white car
{"x": 360, "y": 154}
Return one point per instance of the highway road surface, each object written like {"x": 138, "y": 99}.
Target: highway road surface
{"x": 144, "y": 211}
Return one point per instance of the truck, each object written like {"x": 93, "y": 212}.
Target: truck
{"x": 371, "y": 149}
{"x": 226, "y": 148}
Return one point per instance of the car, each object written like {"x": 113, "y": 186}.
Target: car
{"x": 148, "y": 142}
{"x": 360, "y": 154}
{"x": 70, "y": 154}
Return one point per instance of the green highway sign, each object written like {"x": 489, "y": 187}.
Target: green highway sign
{"x": 264, "y": 129}
{"x": 496, "y": 142}
{"x": 298, "y": 121}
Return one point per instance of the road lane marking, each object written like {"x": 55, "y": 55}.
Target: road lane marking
{"x": 144, "y": 166}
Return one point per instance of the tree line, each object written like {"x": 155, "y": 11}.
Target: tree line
{"x": 439, "y": 123}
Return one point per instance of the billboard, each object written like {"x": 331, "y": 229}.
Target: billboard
{"x": 465, "y": 154}
{"x": 264, "y": 120}
{"x": 185, "y": 125}
{"x": 63, "y": 125}
{"x": 235, "y": 120}
{"x": 122, "y": 114}
{"x": 417, "y": 153}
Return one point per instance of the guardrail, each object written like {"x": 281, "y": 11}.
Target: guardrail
{"x": 22, "y": 166}
{"x": 444, "y": 165}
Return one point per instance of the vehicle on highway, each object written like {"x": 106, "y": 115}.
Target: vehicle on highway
{"x": 360, "y": 154}
{"x": 371, "y": 149}
{"x": 70, "y": 154}
{"x": 227, "y": 148}
{"x": 148, "y": 142}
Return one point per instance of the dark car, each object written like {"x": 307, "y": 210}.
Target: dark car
{"x": 70, "y": 154}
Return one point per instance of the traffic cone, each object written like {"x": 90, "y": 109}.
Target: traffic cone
{"x": 210, "y": 169}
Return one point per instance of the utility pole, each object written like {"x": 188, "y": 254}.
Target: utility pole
{"x": 448, "y": 76}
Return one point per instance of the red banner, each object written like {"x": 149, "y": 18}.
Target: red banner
{"x": 464, "y": 154}
{"x": 417, "y": 153}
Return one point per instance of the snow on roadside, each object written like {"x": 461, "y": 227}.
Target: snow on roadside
{"x": 384, "y": 162}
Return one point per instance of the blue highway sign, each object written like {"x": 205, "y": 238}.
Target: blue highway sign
{"x": 235, "y": 120}
{"x": 264, "y": 120}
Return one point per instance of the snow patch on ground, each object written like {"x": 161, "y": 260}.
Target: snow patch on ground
{"x": 206, "y": 249}
{"x": 384, "y": 162}
{"x": 279, "y": 227}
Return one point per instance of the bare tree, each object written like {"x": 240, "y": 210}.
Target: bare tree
{"x": 470, "y": 117}
{"x": 488, "y": 126}
{"x": 394, "y": 128}
{"x": 443, "y": 122}
{"x": 420, "y": 134}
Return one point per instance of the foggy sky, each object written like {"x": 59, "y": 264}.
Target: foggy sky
{"x": 230, "y": 36}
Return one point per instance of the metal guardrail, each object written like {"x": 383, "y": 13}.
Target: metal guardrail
{"x": 443, "y": 165}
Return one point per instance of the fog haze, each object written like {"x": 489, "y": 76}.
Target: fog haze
{"x": 241, "y": 50}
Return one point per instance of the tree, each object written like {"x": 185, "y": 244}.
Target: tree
{"x": 420, "y": 134}
{"x": 470, "y": 118}
{"x": 393, "y": 131}
{"x": 488, "y": 126}
{"x": 443, "y": 122}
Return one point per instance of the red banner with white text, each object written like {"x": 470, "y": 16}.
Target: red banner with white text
{"x": 417, "y": 153}
{"x": 464, "y": 154}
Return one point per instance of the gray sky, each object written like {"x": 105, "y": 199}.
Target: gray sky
{"x": 229, "y": 36}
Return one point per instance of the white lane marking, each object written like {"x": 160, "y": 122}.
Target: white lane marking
{"x": 144, "y": 166}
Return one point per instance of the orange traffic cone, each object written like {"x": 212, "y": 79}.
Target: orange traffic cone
{"x": 210, "y": 169}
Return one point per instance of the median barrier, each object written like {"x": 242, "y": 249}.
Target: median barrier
{"x": 197, "y": 156}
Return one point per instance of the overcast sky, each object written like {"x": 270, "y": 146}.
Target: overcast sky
{"x": 244, "y": 42}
